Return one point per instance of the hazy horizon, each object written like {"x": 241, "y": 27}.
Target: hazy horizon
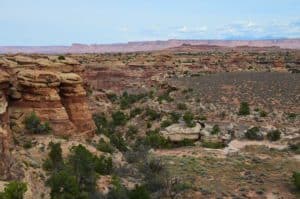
{"x": 62, "y": 23}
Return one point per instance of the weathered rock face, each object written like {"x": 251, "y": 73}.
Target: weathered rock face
{"x": 39, "y": 94}
{"x": 5, "y": 157}
{"x": 73, "y": 97}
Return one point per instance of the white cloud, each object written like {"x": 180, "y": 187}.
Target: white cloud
{"x": 185, "y": 29}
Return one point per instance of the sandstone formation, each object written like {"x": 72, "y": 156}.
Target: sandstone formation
{"x": 48, "y": 86}
{"x": 39, "y": 94}
{"x": 5, "y": 158}
{"x": 73, "y": 97}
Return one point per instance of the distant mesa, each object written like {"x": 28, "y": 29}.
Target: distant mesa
{"x": 149, "y": 46}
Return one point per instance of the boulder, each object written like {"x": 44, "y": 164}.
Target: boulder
{"x": 179, "y": 132}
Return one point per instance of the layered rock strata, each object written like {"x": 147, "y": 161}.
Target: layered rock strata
{"x": 39, "y": 93}
{"x": 73, "y": 97}
{"x": 5, "y": 138}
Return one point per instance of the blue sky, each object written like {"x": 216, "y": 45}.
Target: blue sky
{"x": 63, "y": 22}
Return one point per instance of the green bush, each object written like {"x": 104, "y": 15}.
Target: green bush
{"x": 263, "y": 113}
{"x": 118, "y": 191}
{"x": 291, "y": 116}
{"x": 183, "y": 143}
{"x": 33, "y": 125}
{"x": 61, "y": 57}
{"x": 104, "y": 147}
{"x": 132, "y": 131}
{"x": 274, "y": 135}
{"x": 296, "y": 179}
{"x": 101, "y": 122}
{"x": 118, "y": 142}
{"x": 103, "y": 165}
{"x": 128, "y": 99}
{"x": 119, "y": 118}
{"x": 139, "y": 192}
{"x": 166, "y": 123}
{"x": 181, "y": 106}
{"x": 14, "y": 190}
{"x": 134, "y": 112}
{"x": 165, "y": 97}
{"x": 215, "y": 130}
{"x": 64, "y": 185}
{"x": 55, "y": 160}
{"x": 188, "y": 118}
{"x": 152, "y": 114}
{"x": 254, "y": 134}
{"x": 112, "y": 97}
{"x": 244, "y": 109}
{"x": 175, "y": 117}
{"x": 75, "y": 177}
{"x": 295, "y": 147}
{"x": 155, "y": 140}
{"x": 213, "y": 145}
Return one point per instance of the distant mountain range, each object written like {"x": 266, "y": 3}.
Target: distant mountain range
{"x": 147, "y": 46}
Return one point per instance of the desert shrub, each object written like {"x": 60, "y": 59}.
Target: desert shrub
{"x": 152, "y": 114}
{"x": 244, "y": 109}
{"x": 175, "y": 117}
{"x": 112, "y": 97}
{"x": 254, "y": 134}
{"x": 134, "y": 112}
{"x": 132, "y": 130}
{"x": 118, "y": 142}
{"x": 64, "y": 185}
{"x": 119, "y": 118}
{"x": 165, "y": 123}
{"x": 61, "y": 57}
{"x": 296, "y": 179}
{"x": 128, "y": 99}
{"x": 156, "y": 174}
{"x": 155, "y": 140}
{"x": 54, "y": 160}
{"x": 165, "y": 97}
{"x": 291, "y": 116}
{"x": 27, "y": 144}
{"x": 14, "y": 190}
{"x": 183, "y": 143}
{"x": 181, "y": 187}
{"x": 104, "y": 146}
{"x": 188, "y": 118}
{"x": 101, "y": 123}
{"x": 76, "y": 177}
{"x": 103, "y": 165}
{"x": 34, "y": 125}
{"x": 82, "y": 164}
{"x": 181, "y": 106}
{"x": 274, "y": 135}
{"x": 138, "y": 154}
{"x": 202, "y": 117}
{"x": 213, "y": 145}
{"x": 215, "y": 130}
{"x": 139, "y": 192}
{"x": 118, "y": 191}
{"x": 295, "y": 147}
{"x": 263, "y": 113}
